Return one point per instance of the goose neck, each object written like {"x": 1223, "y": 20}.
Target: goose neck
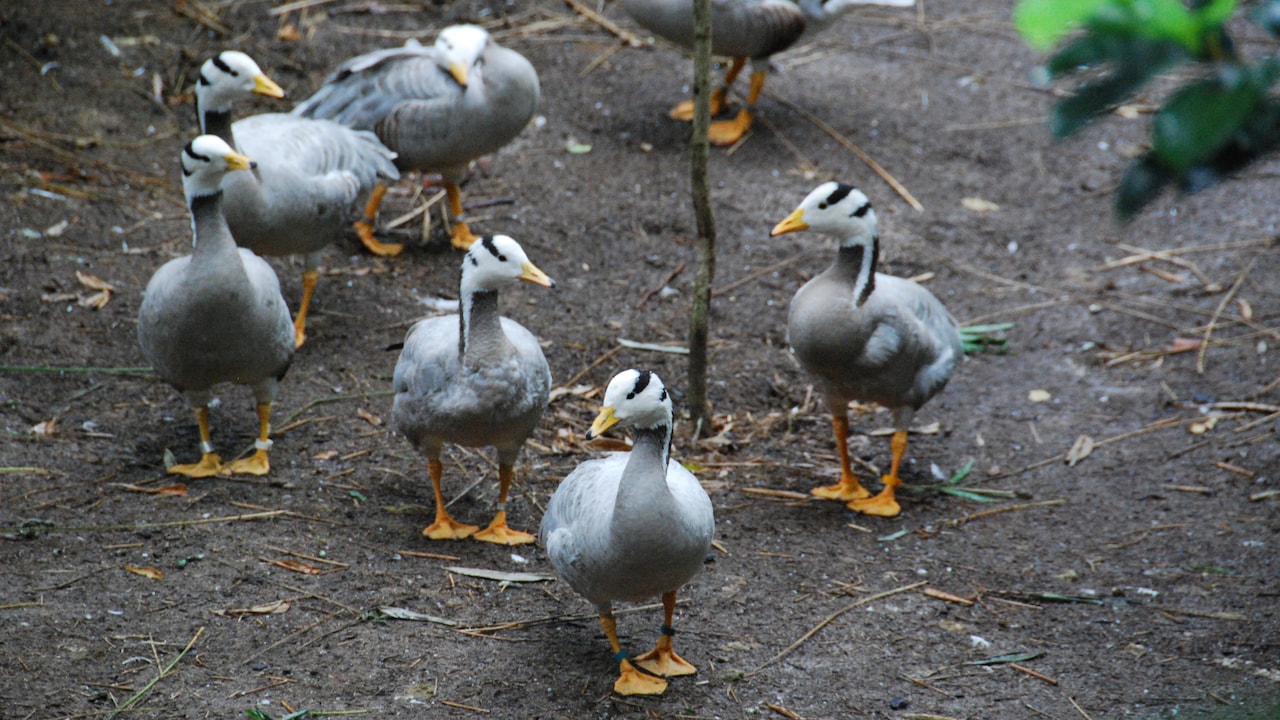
{"x": 857, "y": 260}
{"x": 644, "y": 481}
{"x": 480, "y": 331}
{"x": 209, "y": 227}
{"x": 215, "y": 122}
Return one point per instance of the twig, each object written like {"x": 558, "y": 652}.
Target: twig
{"x": 1157, "y": 425}
{"x": 1204, "y": 343}
{"x": 1033, "y": 673}
{"x": 848, "y": 144}
{"x": 64, "y": 370}
{"x": 654, "y": 291}
{"x": 626, "y": 36}
{"x": 830, "y": 618}
{"x": 1079, "y": 709}
{"x": 296, "y": 5}
{"x": 336, "y": 398}
{"x": 1003, "y": 509}
{"x": 765, "y": 271}
{"x": 605, "y": 356}
{"x": 127, "y": 704}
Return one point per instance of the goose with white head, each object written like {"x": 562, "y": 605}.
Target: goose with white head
{"x": 474, "y": 379}
{"x": 309, "y": 177}
{"x": 438, "y": 108}
{"x": 632, "y": 525}
{"x": 217, "y": 315}
{"x": 866, "y": 336}
{"x": 744, "y": 30}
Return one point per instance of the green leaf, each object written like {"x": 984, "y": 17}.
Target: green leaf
{"x": 1199, "y": 120}
{"x": 1042, "y": 22}
{"x": 1009, "y": 658}
{"x": 1142, "y": 183}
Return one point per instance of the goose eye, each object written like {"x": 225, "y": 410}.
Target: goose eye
{"x": 822, "y": 206}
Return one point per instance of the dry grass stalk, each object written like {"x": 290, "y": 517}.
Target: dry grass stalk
{"x": 848, "y": 144}
{"x": 623, "y": 34}
{"x": 1235, "y": 287}
{"x": 831, "y": 618}
{"x": 946, "y": 596}
{"x": 1033, "y": 673}
{"x": 1007, "y": 508}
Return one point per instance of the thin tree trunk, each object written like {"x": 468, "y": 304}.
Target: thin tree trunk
{"x": 699, "y": 149}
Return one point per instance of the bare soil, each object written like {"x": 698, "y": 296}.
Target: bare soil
{"x": 1139, "y": 581}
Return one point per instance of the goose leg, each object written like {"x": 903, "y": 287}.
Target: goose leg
{"x": 662, "y": 659}
{"x": 257, "y": 463}
{"x": 848, "y": 488}
{"x": 630, "y": 680}
{"x": 445, "y": 527}
{"x": 728, "y": 132}
{"x": 460, "y": 236}
{"x": 364, "y": 228}
{"x": 309, "y": 277}
{"x": 683, "y": 110}
{"x": 498, "y": 532}
{"x": 884, "y": 504}
{"x": 210, "y": 464}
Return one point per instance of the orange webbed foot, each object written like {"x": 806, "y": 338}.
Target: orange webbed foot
{"x": 663, "y": 660}
{"x": 881, "y": 505}
{"x": 447, "y": 528}
{"x": 633, "y": 682}
{"x": 255, "y": 464}
{"x": 499, "y": 534}
{"x": 364, "y": 229}
{"x": 847, "y": 489}
{"x": 210, "y": 465}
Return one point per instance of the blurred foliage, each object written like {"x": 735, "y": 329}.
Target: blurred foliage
{"x": 1224, "y": 116}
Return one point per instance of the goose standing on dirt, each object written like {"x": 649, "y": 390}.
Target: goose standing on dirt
{"x": 216, "y": 315}
{"x": 438, "y": 108}
{"x": 632, "y": 525}
{"x": 309, "y": 174}
{"x": 474, "y": 379}
{"x": 866, "y": 336}
{"x": 742, "y": 30}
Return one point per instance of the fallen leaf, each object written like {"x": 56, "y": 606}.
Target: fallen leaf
{"x": 368, "y": 417}
{"x": 1203, "y": 426}
{"x": 578, "y": 148}
{"x": 1039, "y": 396}
{"x": 294, "y": 566}
{"x": 94, "y": 283}
{"x": 326, "y": 455}
{"x": 1181, "y": 345}
{"x": 271, "y": 608}
{"x": 1080, "y": 450}
{"x": 398, "y": 613}
{"x": 45, "y": 429}
{"x": 977, "y": 204}
{"x": 1246, "y": 310}
{"x": 146, "y": 572}
{"x": 56, "y": 229}
{"x": 499, "y": 575}
{"x": 175, "y": 490}
{"x": 577, "y": 390}
{"x": 287, "y": 32}
{"x": 96, "y": 301}
{"x": 58, "y": 297}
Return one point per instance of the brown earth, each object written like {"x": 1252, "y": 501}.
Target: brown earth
{"x": 1141, "y": 581}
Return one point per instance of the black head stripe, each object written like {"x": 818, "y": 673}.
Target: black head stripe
{"x": 222, "y": 65}
{"x": 193, "y": 154}
{"x": 863, "y": 209}
{"x": 662, "y": 397}
{"x": 204, "y": 80}
{"x": 841, "y": 192}
{"x": 492, "y": 247}
{"x": 472, "y": 259}
{"x": 642, "y": 382}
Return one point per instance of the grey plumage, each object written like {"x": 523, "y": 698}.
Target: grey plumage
{"x": 631, "y": 526}
{"x": 310, "y": 173}
{"x": 437, "y": 107}
{"x": 474, "y": 378}
{"x": 216, "y": 315}
{"x": 864, "y": 335}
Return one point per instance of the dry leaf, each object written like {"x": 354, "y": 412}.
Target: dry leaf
{"x": 977, "y": 204}
{"x": 58, "y": 297}
{"x": 1181, "y": 345}
{"x": 96, "y": 301}
{"x": 1246, "y": 310}
{"x": 326, "y": 455}
{"x": 271, "y": 608}
{"x": 369, "y": 417}
{"x": 45, "y": 429}
{"x": 1039, "y": 396}
{"x": 295, "y": 566}
{"x": 287, "y": 32}
{"x": 1203, "y": 426}
{"x": 176, "y": 490}
{"x": 1080, "y": 450}
{"x": 94, "y": 283}
{"x": 146, "y": 572}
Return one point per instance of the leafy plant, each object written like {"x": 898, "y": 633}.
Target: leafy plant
{"x": 1217, "y": 122}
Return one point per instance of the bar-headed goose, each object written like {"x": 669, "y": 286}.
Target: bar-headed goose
{"x": 866, "y": 336}
{"x": 437, "y": 107}
{"x": 474, "y": 379}
{"x": 632, "y": 525}
{"x": 216, "y": 315}
{"x": 742, "y": 30}
{"x": 309, "y": 175}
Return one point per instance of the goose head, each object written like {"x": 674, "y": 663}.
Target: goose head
{"x": 205, "y": 160}
{"x": 460, "y": 48}
{"x": 833, "y": 208}
{"x": 497, "y": 260}
{"x": 634, "y": 398}
{"x": 230, "y": 76}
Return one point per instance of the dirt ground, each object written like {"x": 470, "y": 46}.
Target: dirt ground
{"x": 1139, "y": 581}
